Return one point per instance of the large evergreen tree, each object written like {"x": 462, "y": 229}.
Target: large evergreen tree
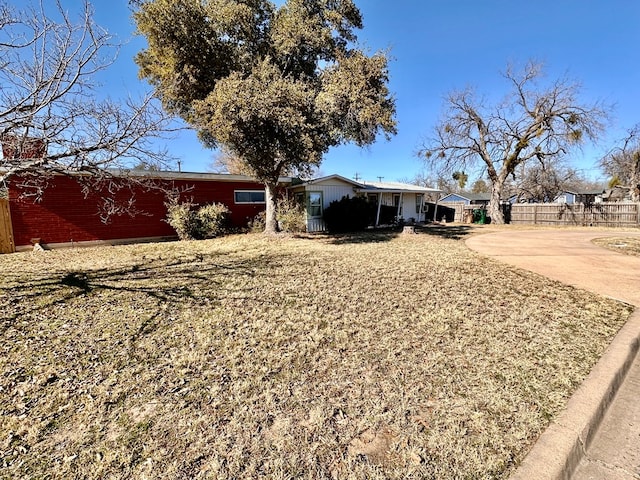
{"x": 274, "y": 86}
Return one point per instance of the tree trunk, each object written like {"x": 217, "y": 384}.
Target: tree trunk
{"x": 495, "y": 209}
{"x": 271, "y": 221}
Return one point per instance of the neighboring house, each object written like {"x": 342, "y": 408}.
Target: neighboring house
{"x": 617, "y": 194}
{"x": 65, "y": 216}
{"x": 586, "y": 197}
{"x": 467, "y": 198}
{"x": 317, "y": 194}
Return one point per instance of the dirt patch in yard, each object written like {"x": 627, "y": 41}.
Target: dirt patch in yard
{"x": 374, "y": 357}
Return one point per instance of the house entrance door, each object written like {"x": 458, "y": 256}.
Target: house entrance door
{"x": 6, "y": 232}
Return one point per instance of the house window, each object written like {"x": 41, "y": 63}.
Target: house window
{"x": 396, "y": 199}
{"x": 249, "y": 196}
{"x": 314, "y": 204}
{"x": 419, "y": 197}
{"x": 372, "y": 198}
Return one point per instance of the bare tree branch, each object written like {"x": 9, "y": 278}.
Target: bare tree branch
{"x": 622, "y": 163}
{"x": 533, "y": 122}
{"x": 51, "y": 119}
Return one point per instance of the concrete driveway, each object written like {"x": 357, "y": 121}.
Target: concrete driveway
{"x": 598, "y": 435}
{"x": 568, "y": 256}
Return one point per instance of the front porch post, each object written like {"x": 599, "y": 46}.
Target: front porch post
{"x": 399, "y": 208}
{"x": 379, "y": 203}
{"x": 435, "y": 211}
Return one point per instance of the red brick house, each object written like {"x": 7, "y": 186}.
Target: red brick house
{"x": 65, "y": 216}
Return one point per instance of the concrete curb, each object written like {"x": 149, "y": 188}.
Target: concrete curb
{"x": 563, "y": 444}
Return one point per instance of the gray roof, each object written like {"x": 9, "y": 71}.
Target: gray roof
{"x": 366, "y": 186}
{"x": 397, "y": 187}
{"x": 472, "y": 197}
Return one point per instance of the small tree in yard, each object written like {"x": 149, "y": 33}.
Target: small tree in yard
{"x": 622, "y": 163}
{"x": 533, "y": 123}
{"x": 51, "y": 120}
{"x": 274, "y": 86}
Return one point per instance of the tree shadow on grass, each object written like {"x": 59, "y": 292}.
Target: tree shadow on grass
{"x": 199, "y": 278}
{"x": 453, "y": 232}
{"x": 370, "y": 236}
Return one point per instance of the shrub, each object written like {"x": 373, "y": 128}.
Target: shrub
{"x": 213, "y": 220}
{"x": 349, "y": 215}
{"x": 291, "y": 216}
{"x": 257, "y": 223}
{"x": 195, "y": 224}
{"x": 181, "y": 217}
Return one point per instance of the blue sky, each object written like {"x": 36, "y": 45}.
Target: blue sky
{"x": 441, "y": 45}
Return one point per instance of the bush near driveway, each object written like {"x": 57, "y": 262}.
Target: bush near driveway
{"x": 365, "y": 356}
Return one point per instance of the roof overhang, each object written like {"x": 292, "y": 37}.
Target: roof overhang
{"x": 394, "y": 187}
{"x": 164, "y": 175}
{"x": 203, "y": 176}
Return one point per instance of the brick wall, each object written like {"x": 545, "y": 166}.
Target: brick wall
{"x": 65, "y": 215}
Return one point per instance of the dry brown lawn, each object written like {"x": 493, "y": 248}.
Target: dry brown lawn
{"x": 358, "y": 357}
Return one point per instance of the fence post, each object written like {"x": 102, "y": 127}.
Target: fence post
{"x": 7, "y": 244}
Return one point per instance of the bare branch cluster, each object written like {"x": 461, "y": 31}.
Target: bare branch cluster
{"x": 534, "y": 122}
{"x": 622, "y": 163}
{"x": 51, "y": 117}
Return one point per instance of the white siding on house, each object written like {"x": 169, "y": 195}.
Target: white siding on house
{"x": 408, "y": 205}
{"x": 331, "y": 193}
{"x": 315, "y": 225}
{"x": 409, "y": 208}
{"x": 332, "y": 189}
{"x": 335, "y": 187}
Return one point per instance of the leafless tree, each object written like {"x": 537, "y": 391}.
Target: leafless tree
{"x": 534, "y": 122}
{"x": 51, "y": 117}
{"x": 540, "y": 183}
{"x": 433, "y": 180}
{"x": 623, "y": 163}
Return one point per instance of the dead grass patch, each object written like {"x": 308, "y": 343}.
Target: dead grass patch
{"x": 626, "y": 245}
{"x": 374, "y": 356}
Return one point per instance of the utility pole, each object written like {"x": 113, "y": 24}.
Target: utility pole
{"x": 356, "y": 177}
{"x": 380, "y": 179}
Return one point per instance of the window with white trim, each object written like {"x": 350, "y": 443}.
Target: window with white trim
{"x": 248, "y": 196}
{"x": 314, "y": 204}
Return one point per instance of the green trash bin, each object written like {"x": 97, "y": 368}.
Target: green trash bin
{"x": 479, "y": 216}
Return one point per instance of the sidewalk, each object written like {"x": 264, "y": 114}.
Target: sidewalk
{"x": 598, "y": 434}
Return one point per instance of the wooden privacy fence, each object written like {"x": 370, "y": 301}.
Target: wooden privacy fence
{"x": 458, "y": 209}
{"x": 6, "y": 232}
{"x": 615, "y": 214}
